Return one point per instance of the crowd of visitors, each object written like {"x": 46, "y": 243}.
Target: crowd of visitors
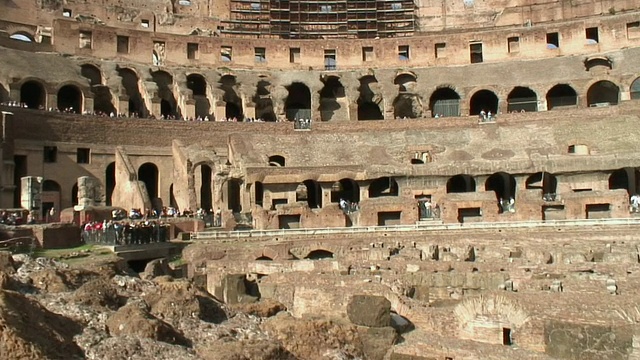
{"x": 125, "y": 232}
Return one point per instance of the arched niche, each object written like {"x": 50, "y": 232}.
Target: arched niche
{"x": 483, "y": 100}
{"x": 444, "y": 102}
{"x": 329, "y": 95}
{"x": 131, "y": 86}
{"x": 198, "y": 85}
{"x": 310, "y": 192}
{"x": 91, "y": 73}
{"x": 33, "y": 94}
{"x": 148, "y": 173}
{"x": 544, "y": 181}
{"x": 504, "y": 186}
{"x": 277, "y": 160}
{"x": 561, "y": 95}
{"x": 70, "y": 99}
{"x": 627, "y": 178}
{"x": 603, "y": 93}
{"x": 408, "y": 106}
{"x": 369, "y": 98}
{"x": 522, "y": 99}
{"x": 203, "y": 185}
{"x": 406, "y": 82}
{"x": 110, "y": 182}
{"x": 461, "y": 183}
{"x": 298, "y": 102}
{"x": 319, "y": 254}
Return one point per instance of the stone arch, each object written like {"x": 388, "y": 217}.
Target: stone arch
{"x": 264, "y": 104}
{"x": 522, "y": 99}
{"x": 233, "y": 102}
{"x": 298, "y": 102}
{"x": 164, "y": 80}
{"x": 148, "y": 173}
{"x": 627, "y": 178}
{"x": 445, "y": 101}
{"x": 545, "y": 181}
{"x": 263, "y": 258}
{"x": 22, "y": 36}
{"x": 598, "y": 62}
{"x": 603, "y": 92}
{"x": 131, "y": 85}
{"x": 347, "y": 189}
{"x": 319, "y": 254}
{"x": 331, "y": 92}
{"x": 504, "y": 186}
{"x": 369, "y": 99}
{"x": 70, "y": 99}
{"x": 198, "y": 86}
{"x": 461, "y": 183}
{"x": 277, "y": 160}
{"x": 483, "y": 100}
{"x": 383, "y": 186}
{"x": 110, "y": 182}
{"x": 634, "y": 89}
{"x": 561, "y": 95}
{"x": 310, "y": 191}
{"x": 33, "y": 94}
{"x": 406, "y": 82}
{"x": 492, "y": 314}
{"x": 102, "y": 99}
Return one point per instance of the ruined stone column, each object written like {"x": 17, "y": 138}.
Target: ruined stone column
{"x": 31, "y": 194}
{"x": 89, "y": 192}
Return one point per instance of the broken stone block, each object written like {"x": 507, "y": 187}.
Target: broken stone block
{"x": 369, "y": 310}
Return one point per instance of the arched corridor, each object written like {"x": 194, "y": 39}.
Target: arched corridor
{"x": 233, "y": 102}
{"x": 483, "y": 100}
{"x": 70, "y": 99}
{"x": 310, "y": 192}
{"x": 102, "y": 99}
{"x": 444, "y": 102}
{"x": 561, "y": 95}
{"x": 330, "y": 96}
{"x": 203, "y": 184}
{"x": 149, "y": 175}
{"x": 522, "y": 99}
{"x": 384, "y": 186}
{"x": 131, "y": 86}
{"x": 603, "y": 93}
{"x": 627, "y": 178}
{"x": 264, "y": 104}
{"x": 168, "y": 104}
{"x": 346, "y": 189}
{"x": 461, "y": 183}
{"x": 33, "y": 94}
{"x": 110, "y": 182}
{"x": 407, "y": 106}
{"x": 198, "y": 85}
{"x": 504, "y": 186}
{"x": 368, "y": 107}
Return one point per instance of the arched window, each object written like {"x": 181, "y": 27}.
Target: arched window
{"x": 483, "y": 100}
{"x": 461, "y": 183}
{"x": 384, "y": 186}
{"x": 444, "y": 102}
{"x": 561, "y": 95}
{"x": 603, "y": 93}
{"x": 276, "y": 160}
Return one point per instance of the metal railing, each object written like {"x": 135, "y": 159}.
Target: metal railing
{"x": 214, "y": 235}
{"x": 127, "y": 235}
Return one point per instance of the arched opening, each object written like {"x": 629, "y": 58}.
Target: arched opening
{"x": 319, "y": 254}
{"x": 164, "y": 80}
{"x": 384, "y": 186}
{"x": 110, "y": 182}
{"x": 561, "y": 95}
{"x": 598, "y": 64}
{"x": 198, "y": 85}
{"x": 264, "y": 258}
{"x": 311, "y": 192}
{"x": 70, "y": 99}
{"x": 298, "y": 103}
{"x": 483, "y": 100}
{"x": 346, "y": 189}
{"x": 544, "y": 181}
{"x": 634, "y": 90}
{"x": 50, "y": 199}
{"x": 405, "y": 82}
{"x": 22, "y": 36}
{"x": 259, "y": 193}
{"x": 203, "y": 184}
{"x": 370, "y": 97}
{"x": 74, "y": 194}
{"x": 148, "y": 174}
{"x": 504, "y": 186}
{"x": 329, "y": 95}
{"x": 172, "y": 198}
{"x": 461, "y": 183}
{"x": 444, "y": 102}
{"x": 407, "y": 106}
{"x": 233, "y": 192}
{"x": 522, "y": 99}
{"x": 264, "y": 105}
{"x": 276, "y": 160}
{"x": 32, "y": 93}
{"x": 627, "y": 178}
{"x": 233, "y": 106}
{"x": 131, "y": 87}
{"x": 102, "y": 99}
{"x": 603, "y": 93}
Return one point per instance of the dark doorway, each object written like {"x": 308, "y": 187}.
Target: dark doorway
{"x": 288, "y": 221}
{"x": 522, "y": 99}
{"x": 198, "y": 85}
{"x": 346, "y": 189}
{"x": 148, "y": 174}
{"x": 405, "y": 82}
{"x": 329, "y": 95}
{"x": 561, "y": 95}
{"x": 626, "y": 178}
{"x": 131, "y": 87}
{"x": 387, "y": 218}
{"x": 206, "y": 183}
{"x": 233, "y": 191}
{"x": 504, "y": 186}
{"x": 369, "y": 99}
{"x": 319, "y": 254}
{"x": 264, "y": 104}
{"x": 168, "y": 105}
{"x": 444, "y": 102}
{"x": 384, "y": 186}
{"x": 506, "y": 337}
{"x": 461, "y": 183}
{"x": 70, "y": 99}
{"x": 233, "y": 106}
{"x": 259, "y": 193}
{"x": 544, "y": 181}
{"x": 110, "y": 182}
{"x": 298, "y": 103}
{"x": 312, "y": 194}
{"x": 369, "y": 111}
{"x": 407, "y": 106}
{"x": 483, "y": 100}
{"x": 603, "y": 93}
{"x": 32, "y": 93}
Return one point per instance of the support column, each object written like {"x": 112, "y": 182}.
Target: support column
{"x": 31, "y": 195}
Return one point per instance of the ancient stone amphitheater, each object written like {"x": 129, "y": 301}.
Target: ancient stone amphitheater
{"x": 486, "y": 151}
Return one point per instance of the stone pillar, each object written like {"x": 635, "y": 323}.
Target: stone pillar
{"x": 89, "y": 192}
{"x": 123, "y": 105}
{"x": 31, "y": 195}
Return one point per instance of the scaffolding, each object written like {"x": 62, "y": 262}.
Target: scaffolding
{"x": 320, "y": 19}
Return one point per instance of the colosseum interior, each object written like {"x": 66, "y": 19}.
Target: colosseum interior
{"x": 487, "y": 153}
